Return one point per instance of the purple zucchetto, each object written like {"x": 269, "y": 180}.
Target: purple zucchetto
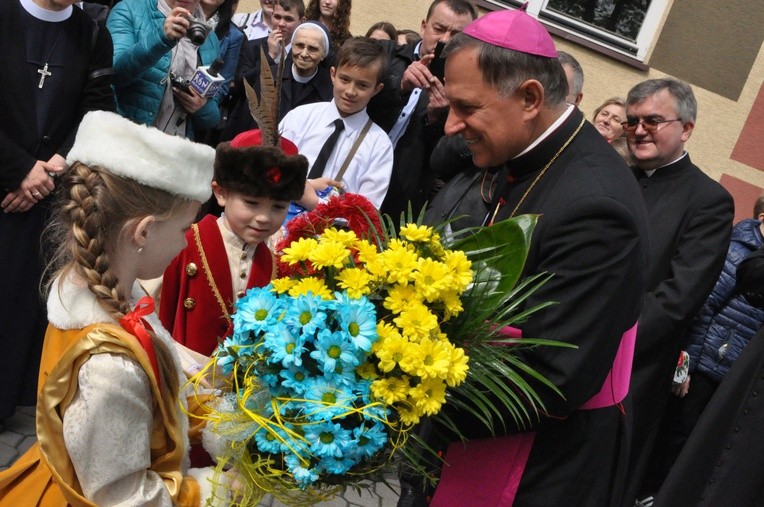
{"x": 513, "y": 29}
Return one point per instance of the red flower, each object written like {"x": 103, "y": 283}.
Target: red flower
{"x": 352, "y": 211}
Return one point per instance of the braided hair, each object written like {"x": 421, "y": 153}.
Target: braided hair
{"x": 95, "y": 209}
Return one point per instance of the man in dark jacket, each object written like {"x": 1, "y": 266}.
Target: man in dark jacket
{"x": 717, "y": 337}
{"x": 507, "y": 92}
{"x": 691, "y": 220}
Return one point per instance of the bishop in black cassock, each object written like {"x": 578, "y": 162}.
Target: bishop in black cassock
{"x": 591, "y": 236}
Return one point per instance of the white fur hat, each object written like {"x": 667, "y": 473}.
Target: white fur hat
{"x": 144, "y": 154}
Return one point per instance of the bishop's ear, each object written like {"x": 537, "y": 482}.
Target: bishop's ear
{"x": 532, "y": 94}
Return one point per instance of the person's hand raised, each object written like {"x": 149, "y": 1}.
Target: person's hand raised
{"x": 176, "y": 24}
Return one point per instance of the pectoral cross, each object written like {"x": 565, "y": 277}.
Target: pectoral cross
{"x": 43, "y": 74}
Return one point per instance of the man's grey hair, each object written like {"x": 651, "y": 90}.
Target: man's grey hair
{"x": 686, "y": 105}
{"x": 505, "y": 69}
{"x": 578, "y": 72}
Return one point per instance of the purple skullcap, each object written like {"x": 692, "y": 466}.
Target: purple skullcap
{"x": 513, "y": 29}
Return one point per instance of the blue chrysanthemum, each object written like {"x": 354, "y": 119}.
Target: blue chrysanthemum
{"x": 333, "y": 350}
{"x": 267, "y": 441}
{"x": 302, "y": 475}
{"x": 358, "y": 318}
{"x": 285, "y": 347}
{"x": 326, "y": 400}
{"x": 336, "y": 466}
{"x": 257, "y": 310}
{"x": 367, "y": 440}
{"x": 306, "y": 312}
{"x": 327, "y": 438}
{"x": 295, "y": 379}
{"x": 237, "y": 345}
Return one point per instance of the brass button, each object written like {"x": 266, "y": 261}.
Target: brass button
{"x": 240, "y": 294}
{"x": 189, "y": 303}
{"x": 191, "y": 269}
{"x": 244, "y": 256}
{"x": 243, "y": 275}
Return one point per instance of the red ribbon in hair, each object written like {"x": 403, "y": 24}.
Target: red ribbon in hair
{"x": 133, "y": 323}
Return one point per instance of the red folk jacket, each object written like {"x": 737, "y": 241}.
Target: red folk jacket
{"x": 197, "y": 296}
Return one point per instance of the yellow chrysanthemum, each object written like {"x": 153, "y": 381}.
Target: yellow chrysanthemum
{"x": 436, "y": 248}
{"x": 312, "y": 285}
{"x": 377, "y": 269}
{"x": 282, "y": 285}
{"x": 398, "y": 244}
{"x": 391, "y": 389}
{"x": 401, "y": 297}
{"x": 460, "y": 267}
{"x": 414, "y": 232}
{"x": 457, "y": 370}
{"x": 367, "y": 251}
{"x": 392, "y": 351}
{"x": 355, "y": 281}
{"x": 347, "y": 238}
{"x": 431, "y": 278}
{"x": 329, "y": 254}
{"x": 431, "y": 359}
{"x": 408, "y": 416}
{"x": 428, "y": 396}
{"x": 367, "y": 371}
{"x": 399, "y": 264}
{"x": 299, "y": 250}
{"x": 452, "y": 303}
{"x": 385, "y": 330}
{"x": 416, "y": 322}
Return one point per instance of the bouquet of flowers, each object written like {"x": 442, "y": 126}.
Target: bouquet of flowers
{"x": 334, "y": 363}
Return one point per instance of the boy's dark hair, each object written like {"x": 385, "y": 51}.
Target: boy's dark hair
{"x": 297, "y": 5}
{"x": 260, "y": 171}
{"x": 363, "y": 52}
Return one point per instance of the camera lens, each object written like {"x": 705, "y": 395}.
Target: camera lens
{"x": 196, "y": 32}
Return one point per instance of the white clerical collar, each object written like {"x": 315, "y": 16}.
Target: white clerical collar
{"x": 301, "y": 79}
{"x": 652, "y": 171}
{"x": 548, "y": 131}
{"x": 44, "y": 14}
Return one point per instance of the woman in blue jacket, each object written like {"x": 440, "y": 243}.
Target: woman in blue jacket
{"x": 151, "y": 43}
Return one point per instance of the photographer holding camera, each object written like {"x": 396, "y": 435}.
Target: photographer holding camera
{"x": 158, "y": 46}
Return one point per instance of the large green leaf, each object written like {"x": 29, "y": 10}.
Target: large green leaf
{"x": 498, "y": 253}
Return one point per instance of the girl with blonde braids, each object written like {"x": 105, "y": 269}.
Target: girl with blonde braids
{"x": 109, "y": 425}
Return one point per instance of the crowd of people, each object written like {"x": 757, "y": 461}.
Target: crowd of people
{"x": 136, "y": 172}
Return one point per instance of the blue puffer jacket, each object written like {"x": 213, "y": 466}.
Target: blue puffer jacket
{"x": 142, "y": 56}
{"x": 726, "y": 318}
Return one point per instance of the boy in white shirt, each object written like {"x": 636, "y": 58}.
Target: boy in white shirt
{"x": 361, "y": 147}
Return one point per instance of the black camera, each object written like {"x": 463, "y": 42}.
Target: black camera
{"x": 180, "y": 83}
{"x": 197, "y": 31}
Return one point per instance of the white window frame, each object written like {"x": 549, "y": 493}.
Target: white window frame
{"x": 638, "y": 50}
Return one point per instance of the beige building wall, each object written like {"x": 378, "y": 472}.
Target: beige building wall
{"x": 720, "y": 120}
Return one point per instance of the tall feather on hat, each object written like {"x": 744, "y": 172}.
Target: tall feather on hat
{"x": 260, "y": 162}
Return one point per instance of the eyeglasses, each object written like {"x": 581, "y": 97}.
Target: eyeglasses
{"x": 650, "y": 124}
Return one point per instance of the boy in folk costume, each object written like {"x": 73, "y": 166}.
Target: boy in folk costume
{"x": 254, "y": 182}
